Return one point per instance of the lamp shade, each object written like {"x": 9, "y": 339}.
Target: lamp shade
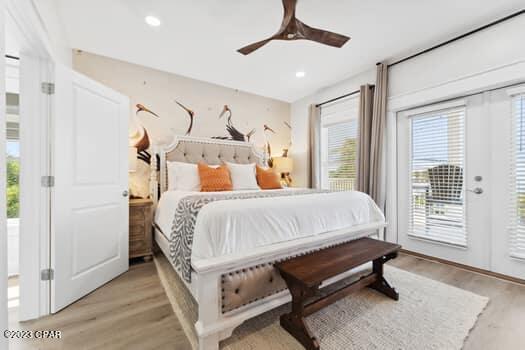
{"x": 283, "y": 164}
{"x": 132, "y": 159}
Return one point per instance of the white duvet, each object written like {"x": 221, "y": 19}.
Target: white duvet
{"x": 233, "y": 226}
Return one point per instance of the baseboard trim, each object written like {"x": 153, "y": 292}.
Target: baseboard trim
{"x": 465, "y": 267}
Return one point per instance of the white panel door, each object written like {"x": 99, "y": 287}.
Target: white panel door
{"x": 89, "y": 240}
{"x": 507, "y": 115}
{"x": 443, "y": 181}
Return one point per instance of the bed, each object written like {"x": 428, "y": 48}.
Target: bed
{"x": 236, "y": 242}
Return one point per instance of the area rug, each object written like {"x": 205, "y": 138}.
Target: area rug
{"x": 428, "y": 315}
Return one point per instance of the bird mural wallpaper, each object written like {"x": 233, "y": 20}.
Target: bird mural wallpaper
{"x": 143, "y": 143}
{"x": 165, "y": 104}
{"x": 285, "y": 150}
{"x": 140, "y": 139}
{"x": 267, "y": 146}
{"x": 235, "y": 134}
{"x": 191, "y": 114}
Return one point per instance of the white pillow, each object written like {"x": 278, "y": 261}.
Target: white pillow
{"x": 243, "y": 176}
{"x": 183, "y": 176}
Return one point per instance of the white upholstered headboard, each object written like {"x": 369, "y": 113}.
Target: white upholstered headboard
{"x": 195, "y": 149}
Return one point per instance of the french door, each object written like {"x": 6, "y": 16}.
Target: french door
{"x": 507, "y": 111}
{"x": 440, "y": 158}
{"x": 461, "y": 196}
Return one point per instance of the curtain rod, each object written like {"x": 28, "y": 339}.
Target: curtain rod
{"x": 341, "y": 97}
{"x": 479, "y": 29}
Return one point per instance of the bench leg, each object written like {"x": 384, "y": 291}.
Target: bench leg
{"x": 299, "y": 330}
{"x": 381, "y": 285}
{"x": 294, "y": 323}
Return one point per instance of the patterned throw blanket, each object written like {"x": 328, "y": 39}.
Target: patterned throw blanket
{"x": 181, "y": 239}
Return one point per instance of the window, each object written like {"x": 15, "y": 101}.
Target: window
{"x": 437, "y": 210}
{"x": 517, "y": 179}
{"x": 339, "y": 132}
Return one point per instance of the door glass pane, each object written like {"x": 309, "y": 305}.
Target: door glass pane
{"x": 437, "y": 210}
{"x": 517, "y": 179}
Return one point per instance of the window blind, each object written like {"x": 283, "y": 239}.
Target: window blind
{"x": 339, "y": 133}
{"x": 517, "y": 179}
{"x": 437, "y": 208}
{"x": 12, "y": 131}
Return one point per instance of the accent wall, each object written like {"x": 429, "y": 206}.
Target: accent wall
{"x": 166, "y": 100}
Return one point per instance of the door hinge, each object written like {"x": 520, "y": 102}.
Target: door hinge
{"x": 48, "y": 181}
{"x": 47, "y": 274}
{"x": 48, "y": 88}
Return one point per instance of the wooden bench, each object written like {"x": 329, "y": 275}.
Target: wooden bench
{"x": 304, "y": 274}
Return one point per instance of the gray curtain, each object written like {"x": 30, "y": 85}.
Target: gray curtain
{"x": 377, "y": 132}
{"x": 314, "y": 136}
{"x": 372, "y": 123}
{"x": 366, "y": 104}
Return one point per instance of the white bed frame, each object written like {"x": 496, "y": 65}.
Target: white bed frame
{"x": 213, "y": 325}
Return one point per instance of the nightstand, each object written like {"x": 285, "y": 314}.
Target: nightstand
{"x": 140, "y": 226}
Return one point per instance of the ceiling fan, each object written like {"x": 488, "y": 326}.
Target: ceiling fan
{"x": 294, "y": 29}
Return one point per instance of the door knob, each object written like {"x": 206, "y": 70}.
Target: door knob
{"x": 477, "y": 190}
{"x": 125, "y": 193}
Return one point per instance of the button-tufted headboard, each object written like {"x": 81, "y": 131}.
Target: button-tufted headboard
{"x": 211, "y": 151}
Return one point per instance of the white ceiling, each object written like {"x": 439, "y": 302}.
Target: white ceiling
{"x": 199, "y": 39}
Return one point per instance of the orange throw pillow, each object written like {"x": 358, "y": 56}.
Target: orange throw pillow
{"x": 268, "y": 179}
{"x": 214, "y": 179}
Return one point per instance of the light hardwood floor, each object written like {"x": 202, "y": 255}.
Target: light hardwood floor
{"x": 130, "y": 312}
{"x": 133, "y": 312}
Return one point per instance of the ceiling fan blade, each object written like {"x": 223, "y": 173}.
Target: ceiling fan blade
{"x": 323, "y": 36}
{"x": 252, "y": 47}
{"x": 289, "y": 11}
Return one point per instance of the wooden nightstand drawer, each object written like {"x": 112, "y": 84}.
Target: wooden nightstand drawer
{"x": 137, "y": 214}
{"x": 137, "y": 232}
{"x": 140, "y": 228}
{"x": 139, "y": 248}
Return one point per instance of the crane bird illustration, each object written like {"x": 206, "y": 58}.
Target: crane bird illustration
{"x": 267, "y": 146}
{"x": 235, "y": 134}
{"x": 285, "y": 150}
{"x": 142, "y": 108}
{"x": 191, "y": 114}
{"x": 143, "y": 142}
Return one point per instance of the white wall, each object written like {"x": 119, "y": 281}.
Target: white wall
{"x": 300, "y": 124}
{"x": 477, "y": 56}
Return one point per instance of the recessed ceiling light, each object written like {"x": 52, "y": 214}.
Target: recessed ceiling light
{"x": 152, "y": 21}
{"x": 300, "y": 74}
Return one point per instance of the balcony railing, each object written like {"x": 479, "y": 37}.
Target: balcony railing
{"x": 341, "y": 184}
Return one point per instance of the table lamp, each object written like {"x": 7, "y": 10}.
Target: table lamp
{"x": 284, "y": 166}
